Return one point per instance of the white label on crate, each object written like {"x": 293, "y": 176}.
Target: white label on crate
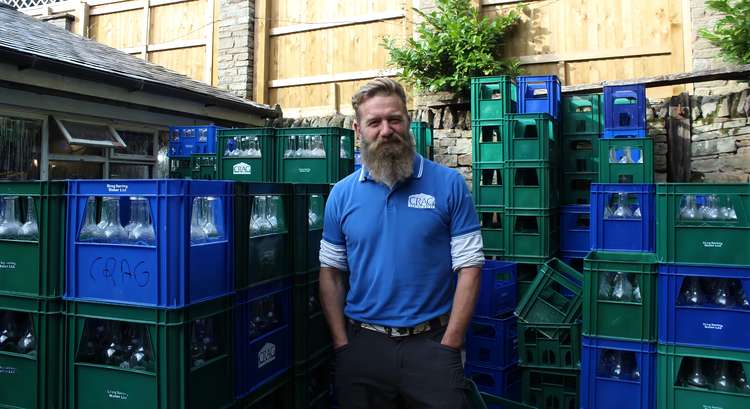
{"x": 7, "y": 370}
{"x": 7, "y": 265}
{"x": 242, "y": 168}
{"x": 117, "y": 395}
{"x": 117, "y": 188}
{"x": 266, "y": 355}
{"x": 711, "y": 325}
{"x": 713, "y": 244}
{"x": 422, "y": 201}
{"x": 305, "y": 170}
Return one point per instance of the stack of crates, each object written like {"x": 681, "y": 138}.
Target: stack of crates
{"x": 312, "y": 345}
{"x": 192, "y": 152}
{"x": 702, "y": 237}
{"x": 491, "y": 341}
{"x": 149, "y": 291}
{"x": 582, "y": 125}
{"x": 263, "y": 309}
{"x": 314, "y": 155}
{"x": 549, "y": 337}
{"x": 32, "y": 254}
{"x": 516, "y": 161}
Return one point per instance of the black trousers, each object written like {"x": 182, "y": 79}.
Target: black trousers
{"x": 375, "y": 371}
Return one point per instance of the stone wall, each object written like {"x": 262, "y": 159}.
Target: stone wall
{"x": 235, "y": 49}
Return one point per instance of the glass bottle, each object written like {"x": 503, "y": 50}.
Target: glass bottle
{"x": 143, "y": 231}
{"x": 255, "y": 217}
{"x": 210, "y": 204}
{"x": 344, "y": 142}
{"x": 613, "y": 155}
{"x": 740, "y": 296}
{"x": 90, "y": 230}
{"x": 290, "y": 149}
{"x": 197, "y": 234}
{"x": 622, "y": 210}
{"x": 710, "y": 211}
{"x": 691, "y": 292}
{"x": 721, "y": 294}
{"x": 689, "y": 210}
{"x": 264, "y": 225}
{"x": 307, "y": 148}
{"x": 271, "y": 211}
{"x": 10, "y": 226}
{"x": 27, "y": 343}
{"x": 280, "y": 219}
{"x": 110, "y": 223}
{"x": 695, "y": 378}
{"x": 30, "y": 229}
{"x": 626, "y": 156}
{"x": 8, "y": 331}
{"x": 722, "y": 380}
{"x": 605, "y": 286}
{"x": 622, "y": 289}
{"x": 726, "y": 210}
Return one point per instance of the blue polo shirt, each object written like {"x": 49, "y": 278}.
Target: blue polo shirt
{"x": 398, "y": 242}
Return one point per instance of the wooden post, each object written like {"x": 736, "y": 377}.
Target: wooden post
{"x": 261, "y": 53}
{"x": 679, "y": 132}
{"x": 334, "y": 98}
{"x": 208, "y": 66}
{"x": 146, "y": 28}
{"x": 82, "y": 14}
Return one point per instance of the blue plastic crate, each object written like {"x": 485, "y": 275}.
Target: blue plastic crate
{"x": 624, "y": 133}
{"x": 262, "y": 335}
{"x": 170, "y": 271}
{"x": 575, "y": 229}
{"x": 539, "y": 94}
{"x": 492, "y": 342}
{"x": 497, "y": 292}
{"x": 574, "y": 259}
{"x": 704, "y": 323}
{"x": 187, "y": 140}
{"x": 624, "y": 107}
{"x": 615, "y": 222}
{"x": 504, "y": 382}
{"x": 605, "y": 386}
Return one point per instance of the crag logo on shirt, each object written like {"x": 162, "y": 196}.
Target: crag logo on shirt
{"x": 422, "y": 201}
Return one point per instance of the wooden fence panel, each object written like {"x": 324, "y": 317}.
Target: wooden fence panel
{"x": 109, "y": 29}
{"x": 178, "y": 21}
{"x": 188, "y": 61}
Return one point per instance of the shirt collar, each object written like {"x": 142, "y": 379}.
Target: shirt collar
{"x": 416, "y": 173}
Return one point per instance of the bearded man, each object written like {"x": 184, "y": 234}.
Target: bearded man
{"x": 401, "y": 227}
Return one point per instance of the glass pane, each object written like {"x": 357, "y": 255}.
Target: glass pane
{"x": 124, "y": 171}
{"x": 20, "y": 147}
{"x": 121, "y": 344}
{"x": 138, "y": 143}
{"x": 91, "y": 132}
{"x": 74, "y": 170}
{"x": 58, "y": 144}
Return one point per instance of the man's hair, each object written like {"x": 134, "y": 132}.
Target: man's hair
{"x": 378, "y": 86}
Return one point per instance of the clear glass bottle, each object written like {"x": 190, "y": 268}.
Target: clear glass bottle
{"x": 90, "y": 230}
{"x": 696, "y": 378}
{"x": 197, "y": 234}
{"x": 721, "y": 294}
{"x": 726, "y": 210}
{"x": 30, "y": 229}
{"x": 605, "y": 285}
{"x": 710, "y": 211}
{"x": 344, "y": 142}
{"x": 271, "y": 212}
{"x": 692, "y": 294}
{"x": 10, "y": 225}
{"x": 209, "y": 226}
{"x": 689, "y": 209}
{"x": 622, "y": 289}
{"x": 142, "y": 230}
{"x": 110, "y": 223}
{"x": 622, "y": 208}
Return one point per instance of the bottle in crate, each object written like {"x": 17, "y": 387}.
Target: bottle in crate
{"x": 314, "y": 155}
{"x": 626, "y": 160}
{"x": 623, "y": 217}
{"x": 181, "y": 252}
{"x": 247, "y": 155}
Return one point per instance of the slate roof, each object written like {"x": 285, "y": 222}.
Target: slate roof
{"x": 48, "y": 47}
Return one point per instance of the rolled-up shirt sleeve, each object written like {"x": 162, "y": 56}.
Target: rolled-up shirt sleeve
{"x": 333, "y": 245}
{"x": 466, "y": 236}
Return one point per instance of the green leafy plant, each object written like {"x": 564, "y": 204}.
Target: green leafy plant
{"x": 732, "y": 33}
{"x": 454, "y": 44}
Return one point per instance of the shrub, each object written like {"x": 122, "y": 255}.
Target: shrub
{"x": 732, "y": 33}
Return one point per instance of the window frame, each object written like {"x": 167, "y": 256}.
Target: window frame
{"x": 118, "y": 142}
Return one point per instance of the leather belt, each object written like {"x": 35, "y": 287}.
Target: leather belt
{"x": 437, "y": 322}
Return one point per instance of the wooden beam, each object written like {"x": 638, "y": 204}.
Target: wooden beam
{"x": 82, "y": 14}
{"x": 323, "y": 79}
{"x": 262, "y": 52}
{"x": 594, "y": 55}
{"x": 300, "y": 28}
{"x": 146, "y": 28}
{"x": 172, "y": 45}
{"x": 741, "y": 72}
{"x": 678, "y": 139}
{"x": 109, "y": 6}
{"x": 209, "y": 36}
{"x": 334, "y": 97}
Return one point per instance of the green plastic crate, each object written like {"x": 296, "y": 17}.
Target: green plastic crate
{"x": 33, "y": 379}
{"x": 549, "y": 345}
{"x": 308, "y": 207}
{"x": 526, "y": 271}
{"x": 313, "y": 382}
{"x": 639, "y": 163}
{"x": 235, "y": 163}
{"x": 531, "y": 137}
{"x": 551, "y": 389}
{"x": 554, "y": 297}
{"x": 576, "y": 187}
{"x": 203, "y": 166}
{"x": 35, "y": 268}
{"x": 178, "y": 375}
{"x": 623, "y": 318}
{"x": 580, "y": 152}
{"x": 263, "y": 254}
{"x": 180, "y": 169}
{"x": 531, "y": 185}
{"x": 487, "y": 187}
{"x": 491, "y": 224}
{"x": 671, "y": 391}
{"x": 493, "y": 97}
{"x": 337, "y": 163}
{"x": 314, "y": 337}
{"x": 422, "y": 132}
{"x": 531, "y": 233}
{"x": 488, "y": 142}
{"x": 708, "y": 242}
{"x": 277, "y": 394}
{"x": 582, "y": 114}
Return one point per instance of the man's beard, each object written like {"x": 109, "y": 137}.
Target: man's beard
{"x": 389, "y": 161}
